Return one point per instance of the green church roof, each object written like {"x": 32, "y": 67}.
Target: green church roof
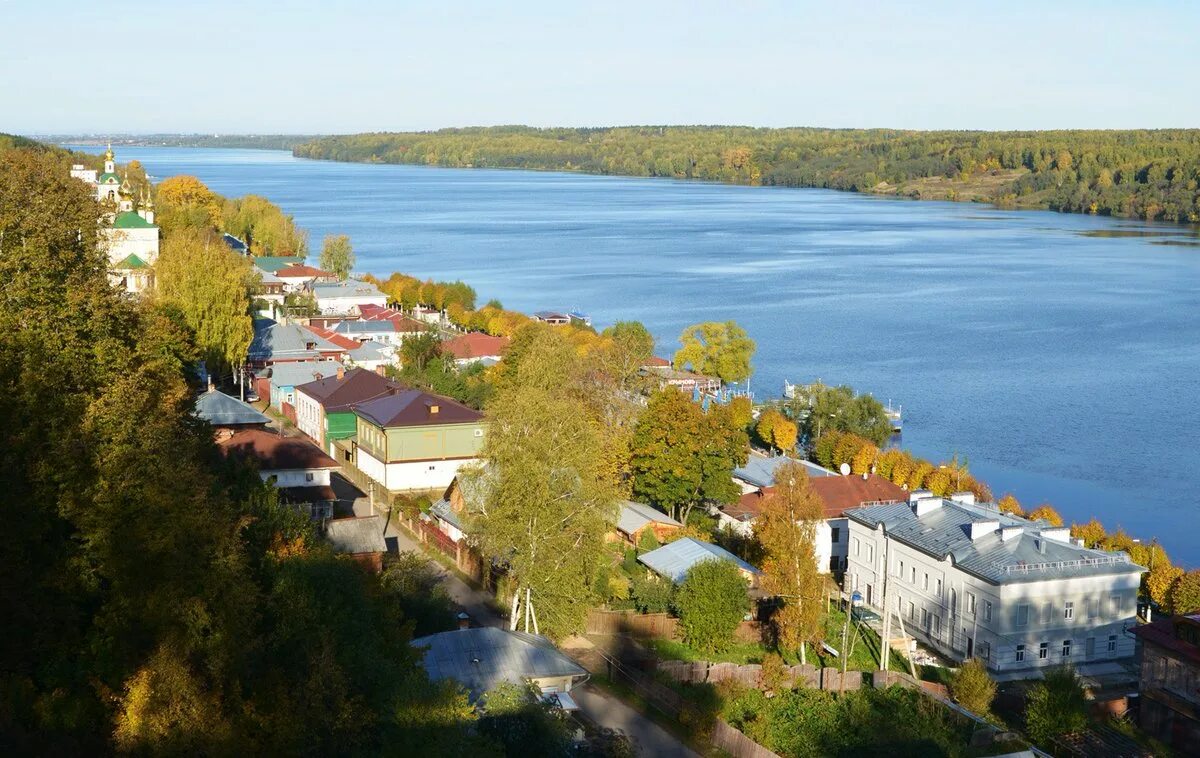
{"x": 273, "y": 263}
{"x": 131, "y": 261}
{"x": 131, "y": 220}
{"x": 106, "y": 177}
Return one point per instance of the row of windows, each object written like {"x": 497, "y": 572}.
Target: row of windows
{"x": 1049, "y": 610}
{"x": 1044, "y": 648}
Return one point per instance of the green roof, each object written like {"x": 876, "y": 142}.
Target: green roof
{"x": 131, "y": 220}
{"x": 273, "y": 263}
{"x": 131, "y": 261}
{"x": 105, "y": 177}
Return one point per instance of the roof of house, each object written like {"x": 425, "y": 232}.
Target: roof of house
{"x": 266, "y": 277}
{"x": 443, "y": 510}
{"x": 235, "y": 244}
{"x": 356, "y": 386}
{"x": 131, "y": 220}
{"x": 475, "y": 345}
{"x": 633, "y": 516}
{"x": 349, "y": 288}
{"x": 302, "y": 372}
{"x": 416, "y": 408}
{"x": 1161, "y": 632}
{"x": 220, "y": 409}
{"x": 317, "y": 494}
{"x": 365, "y": 327}
{"x": 372, "y": 351}
{"x": 300, "y": 271}
{"x": 551, "y": 316}
{"x": 273, "y": 263}
{"x": 340, "y": 340}
{"x": 355, "y": 536}
{"x": 655, "y": 362}
{"x": 840, "y": 493}
{"x": 274, "y": 341}
{"x": 673, "y": 374}
{"x": 275, "y": 453}
{"x": 749, "y": 506}
{"x": 130, "y": 262}
{"x": 404, "y": 324}
{"x": 481, "y": 658}
{"x": 674, "y": 560}
{"x": 760, "y": 469}
{"x": 1033, "y": 551}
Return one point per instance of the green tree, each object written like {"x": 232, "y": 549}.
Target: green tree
{"x": 972, "y": 687}
{"x": 518, "y": 721}
{"x": 416, "y": 586}
{"x": 548, "y": 503}
{"x": 626, "y": 347}
{"x": 786, "y": 529}
{"x": 711, "y": 601}
{"x": 716, "y": 348}
{"x": 337, "y": 256}
{"x": 651, "y": 594}
{"x": 822, "y": 409}
{"x": 1184, "y": 596}
{"x": 420, "y": 351}
{"x": 211, "y": 287}
{"x": 682, "y": 456}
{"x": 1055, "y": 706}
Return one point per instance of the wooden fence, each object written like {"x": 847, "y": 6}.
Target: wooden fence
{"x": 737, "y": 744}
{"x": 660, "y": 626}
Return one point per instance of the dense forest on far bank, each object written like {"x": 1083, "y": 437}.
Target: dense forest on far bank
{"x": 1144, "y": 174}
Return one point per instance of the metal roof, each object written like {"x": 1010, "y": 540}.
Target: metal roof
{"x": 760, "y": 469}
{"x": 295, "y": 374}
{"x": 274, "y": 341}
{"x": 442, "y": 510}
{"x": 674, "y": 560}
{"x": 364, "y": 327}
{"x": 220, "y": 409}
{"x": 634, "y": 516}
{"x": 354, "y": 536}
{"x": 479, "y": 659}
{"x": 1033, "y": 551}
{"x": 349, "y": 288}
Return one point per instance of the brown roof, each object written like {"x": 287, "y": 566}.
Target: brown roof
{"x": 475, "y": 345}
{"x": 415, "y": 408}
{"x": 403, "y": 324}
{"x": 839, "y": 493}
{"x": 318, "y": 494}
{"x": 300, "y": 269}
{"x": 340, "y": 340}
{"x": 1161, "y": 632}
{"x": 275, "y": 453}
{"x": 356, "y": 386}
{"x": 749, "y": 506}
{"x": 654, "y": 360}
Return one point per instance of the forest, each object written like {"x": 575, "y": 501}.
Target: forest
{"x": 1142, "y": 174}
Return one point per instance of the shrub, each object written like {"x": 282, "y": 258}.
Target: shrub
{"x": 711, "y": 603}
{"x": 972, "y": 688}
{"x": 773, "y": 674}
{"x": 648, "y": 541}
{"x": 651, "y": 594}
{"x": 1055, "y": 706}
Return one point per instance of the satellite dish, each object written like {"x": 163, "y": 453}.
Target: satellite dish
{"x": 845, "y": 469}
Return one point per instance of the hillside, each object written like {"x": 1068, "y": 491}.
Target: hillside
{"x": 1145, "y": 174}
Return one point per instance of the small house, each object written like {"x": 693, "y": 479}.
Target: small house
{"x": 360, "y": 538}
{"x": 344, "y": 298}
{"x": 475, "y": 347}
{"x": 294, "y": 465}
{"x": 298, "y": 276}
{"x": 228, "y": 415}
{"x": 325, "y": 406}
{"x": 636, "y": 519}
{"x": 673, "y": 561}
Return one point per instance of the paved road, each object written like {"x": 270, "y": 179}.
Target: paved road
{"x": 648, "y": 738}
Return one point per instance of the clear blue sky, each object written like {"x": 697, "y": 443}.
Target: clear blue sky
{"x": 304, "y": 67}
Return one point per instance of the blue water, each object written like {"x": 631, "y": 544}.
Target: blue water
{"x": 1065, "y": 366}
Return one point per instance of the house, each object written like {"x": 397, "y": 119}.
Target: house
{"x": 373, "y": 356}
{"x": 427, "y": 315}
{"x": 298, "y": 276}
{"x": 1169, "y": 681}
{"x": 275, "y": 343}
{"x": 685, "y": 381}
{"x": 345, "y": 343}
{"x": 466, "y": 495}
{"x": 344, "y": 298}
{"x": 475, "y": 347}
{"x": 673, "y": 561}
{"x": 552, "y": 317}
{"x": 759, "y": 471}
{"x": 273, "y": 263}
{"x": 324, "y": 406}
{"x": 361, "y": 538}
{"x": 412, "y": 440}
{"x": 294, "y": 465}
{"x": 283, "y": 379}
{"x": 635, "y": 519}
{"x": 270, "y": 290}
{"x": 227, "y": 415}
{"x": 375, "y": 331}
{"x": 129, "y": 237}
{"x": 480, "y": 659}
{"x": 405, "y": 325}
{"x": 972, "y": 582}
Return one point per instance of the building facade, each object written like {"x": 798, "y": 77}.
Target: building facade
{"x": 971, "y": 582}
{"x": 1169, "y": 680}
{"x": 129, "y": 237}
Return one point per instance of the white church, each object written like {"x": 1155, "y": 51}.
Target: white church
{"x": 130, "y": 237}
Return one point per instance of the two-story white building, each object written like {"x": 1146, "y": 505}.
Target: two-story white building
{"x": 969, "y": 581}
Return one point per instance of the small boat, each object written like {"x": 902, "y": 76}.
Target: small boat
{"x": 895, "y": 416}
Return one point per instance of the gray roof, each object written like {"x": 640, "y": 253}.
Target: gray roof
{"x": 267, "y": 277}
{"x": 760, "y": 469}
{"x": 348, "y": 288}
{"x": 673, "y": 561}
{"x": 945, "y": 530}
{"x": 295, "y": 374}
{"x": 634, "y": 516}
{"x": 370, "y": 351}
{"x": 274, "y": 341}
{"x": 479, "y": 659}
{"x": 350, "y": 328}
{"x": 220, "y": 409}
{"x": 356, "y": 535}
{"x": 442, "y": 510}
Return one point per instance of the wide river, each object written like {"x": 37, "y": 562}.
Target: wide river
{"x": 1060, "y": 354}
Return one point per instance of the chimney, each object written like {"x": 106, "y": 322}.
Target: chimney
{"x": 341, "y": 373}
{"x": 464, "y": 620}
{"x": 865, "y": 476}
{"x": 379, "y": 370}
{"x": 1041, "y": 545}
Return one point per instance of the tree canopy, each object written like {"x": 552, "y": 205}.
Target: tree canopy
{"x": 337, "y": 255}
{"x": 716, "y": 348}
{"x": 711, "y": 603}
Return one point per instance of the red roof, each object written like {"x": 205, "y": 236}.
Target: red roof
{"x": 340, "y": 340}
{"x": 749, "y": 506}
{"x": 297, "y": 270}
{"x": 1161, "y": 632}
{"x": 840, "y": 493}
{"x": 275, "y": 453}
{"x": 657, "y": 362}
{"x": 403, "y": 324}
{"x": 475, "y": 345}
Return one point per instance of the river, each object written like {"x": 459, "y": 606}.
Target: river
{"x": 1060, "y": 354}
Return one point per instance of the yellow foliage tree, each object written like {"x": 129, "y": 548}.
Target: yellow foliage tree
{"x": 865, "y": 458}
{"x": 1046, "y": 512}
{"x": 1092, "y": 533}
{"x": 1010, "y": 505}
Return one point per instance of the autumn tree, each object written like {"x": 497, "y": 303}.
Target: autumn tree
{"x": 682, "y": 456}
{"x": 711, "y": 601}
{"x": 824, "y": 409}
{"x": 786, "y": 529}
{"x": 1092, "y": 533}
{"x": 210, "y": 286}
{"x": 1010, "y": 505}
{"x": 185, "y": 202}
{"x": 264, "y": 226}
{"x": 1046, "y": 512}
{"x": 776, "y": 431}
{"x": 973, "y": 688}
{"x": 548, "y": 503}
{"x": 337, "y": 255}
{"x": 716, "y": 348}
{"x": 1184, "y": 596}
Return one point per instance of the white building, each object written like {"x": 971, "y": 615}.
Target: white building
{"x": 969, "y": 581}
{"x": 130, "y": 238}
{"x": 296, "y": 467}
{"x": 344, "y": 298}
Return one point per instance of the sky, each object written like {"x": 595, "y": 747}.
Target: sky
{"x": 324, "y": 67}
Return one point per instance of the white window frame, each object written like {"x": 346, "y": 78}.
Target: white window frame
{"x": 1066, "y": 649}
{"x": 1020, "y": 653}
{"x": 1043, "y": 651}
{"x": 1069, "y": 610}
{"x": 987, "y": 610}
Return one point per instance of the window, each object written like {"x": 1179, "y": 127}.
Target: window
{"x": 937, "y": 625}
{"x": 953, "y": 602}
{"x": 900, "y": 573}
{"x": 925, "y": 619}
{"x": 1047, "y": 612}
{"x": 912, "y": 611}
{"x": 836, "y": 535}
{"x": 1020, "y": 653}
{"x": 871, "y": 554}
{"x": 308, "y": 477}
{"x": 914, "y": 575}
{"x": 925, "y": 583}
{"x": 971, "y": 603}
{"x": 1043, "y": 651}
{"x": 939, "y": 587}
{"x": 857, "y": 545}
{"x": 987, "y": 610}
{"x": 1115, "y": 602}
{"x": 1066, "y": 648}
{"x": 1069, "y": 611}
{"x": 1093, "y": 607}
{"x": 984, "y": 651}
{"x": 1112, "y": 643}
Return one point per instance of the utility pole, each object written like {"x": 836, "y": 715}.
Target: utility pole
{"x": 885, "y": 645}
